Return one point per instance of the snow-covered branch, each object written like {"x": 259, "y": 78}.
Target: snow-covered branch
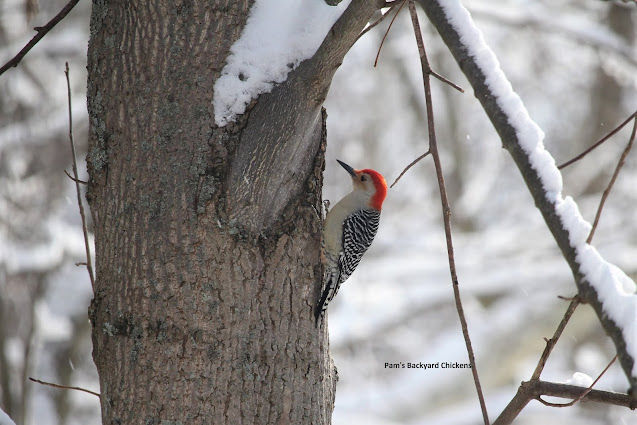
{"x": 258, "y": 191}
{"x": 603, "y": 285}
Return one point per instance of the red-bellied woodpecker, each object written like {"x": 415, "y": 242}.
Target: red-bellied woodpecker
{"x": 350, "y": 227}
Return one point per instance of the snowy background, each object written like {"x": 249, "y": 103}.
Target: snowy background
{"x": 573, "y": 63}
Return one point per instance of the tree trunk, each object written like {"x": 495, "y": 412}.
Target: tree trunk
{"x": 207, "y": 254}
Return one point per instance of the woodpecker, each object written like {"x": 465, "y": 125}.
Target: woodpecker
{"x": 349, "y": 229}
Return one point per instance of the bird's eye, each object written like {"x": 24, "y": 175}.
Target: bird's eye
{"x": 363, "y": 178}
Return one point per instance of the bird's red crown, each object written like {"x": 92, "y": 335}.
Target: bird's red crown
{"x": 381, "y": 188}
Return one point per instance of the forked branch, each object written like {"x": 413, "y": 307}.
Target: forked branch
{"x": 550, "y": 343}
{"x": 523, "y": 397}
{"x": 532, "y": 390}
{"x": 584, "y": 393}
{"x": 383, "y": 16}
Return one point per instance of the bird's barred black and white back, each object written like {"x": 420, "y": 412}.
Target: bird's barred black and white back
{"x": 359, "y": 230}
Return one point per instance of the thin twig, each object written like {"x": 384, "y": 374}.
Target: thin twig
{"x": 588, "y": 390}
{"x": 446, "y": 81}
{"x": 414, "y": 162}
{"x": 562, "y": 297}
{"x": 64, "y": 387}
{"x": 41, "y": 32}
{"x": 431, "y": 72}
{"x": 74, "y": 179}
{"x": 378, "y": 21}
{"x": 618, "y": 168}
{"x": 608, "y": 136}
{"x": 89, "y": 265}
{"x": 550, "y": 343}
{"x": 387, "y": 32}
{"x": 446, "y": 210}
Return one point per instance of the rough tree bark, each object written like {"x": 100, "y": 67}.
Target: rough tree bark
{"x": 207, "y": 239}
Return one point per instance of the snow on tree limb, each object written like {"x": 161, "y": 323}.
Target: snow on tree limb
{"x": 278, "y": 36}
{"x": 609, "y": 291}
{"x": 258, "y": 190}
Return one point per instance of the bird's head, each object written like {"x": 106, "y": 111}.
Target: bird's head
{"x": 370, "y": 182}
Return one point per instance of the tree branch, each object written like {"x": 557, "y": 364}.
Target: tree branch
{"x": 89, "y": 265}
{"x": 605, "y": 138}
{"x": 510, "y": 140}
{"x": 74, "y": 179}
{"x": 532, "y": 390}
{"x": 523, "y": 396}
{"x": 550, "y": 343}
{"x": 379, "y": 20}
{"x": 618, "y": 168}
{"x": 387, "y": 32}
{"x": 41, "y": 32}
{"x": 414, "y": 162}
{"x": 446, "y": 209}
{"x": 63, "y": 387}
{"x": 588, "y": 390}
{"x": 519, "y": 401}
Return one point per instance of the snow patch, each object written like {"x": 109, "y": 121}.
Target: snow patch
{"x": 615, "y": 290}
{"x": 580, "y": 379}
{"x": 278, "y": 36}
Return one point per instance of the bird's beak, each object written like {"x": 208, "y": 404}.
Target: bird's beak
{"x": 349, "y": 169}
